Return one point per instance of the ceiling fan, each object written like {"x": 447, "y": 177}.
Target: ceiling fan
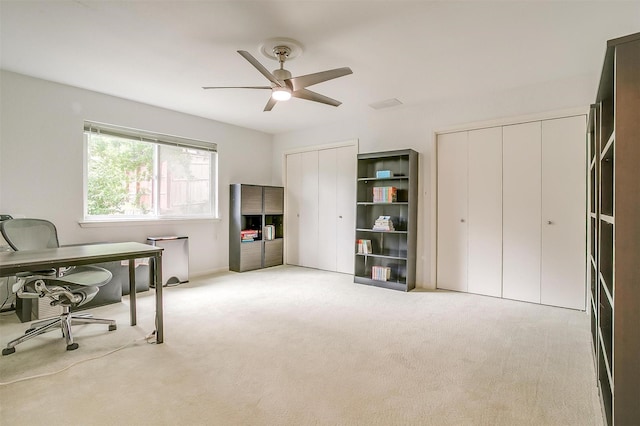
{"x": 284, "y": 86}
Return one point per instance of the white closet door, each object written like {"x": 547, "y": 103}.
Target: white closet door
{"x": 563, "y": 204}
{"x": 485, "y": 212}
{"x": 308, "y": 242}
{"x": 451, "y": 273}
{"x": 293, "y": 234}
{"x": 346, "y": 161}
{"x": 521, "y": 148}
{"x": 327, "y": 215}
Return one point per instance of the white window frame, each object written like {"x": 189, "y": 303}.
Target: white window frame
{"x": 156, "y": 139}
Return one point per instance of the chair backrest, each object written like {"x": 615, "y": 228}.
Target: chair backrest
{"x": 29, "y": 234}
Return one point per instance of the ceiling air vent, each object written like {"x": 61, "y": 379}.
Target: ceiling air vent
{"x": 387, "y": 103}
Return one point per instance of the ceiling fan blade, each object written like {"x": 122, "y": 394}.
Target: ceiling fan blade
{"x": 313, "y": 96}
{"x": 297, "y": 83}
{"x": 238, "y": 87}
{"x": 260, "y": 67}
{"x": 270, "y": 104}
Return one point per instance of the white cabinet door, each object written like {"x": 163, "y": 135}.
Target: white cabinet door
{"x": 302, "y": 209}
{"x": 346, "y": 163}
{"x": 308, "y": 243}
{"x": 321, "y": 208}
{"x": 521, "y": 148}
{"x": 293, "y": 233}
{"x": 485, "y": 212}
{"x": 451, "y": 272}
{"x": 563, "y": 217}
{"x": 327, "y": 171}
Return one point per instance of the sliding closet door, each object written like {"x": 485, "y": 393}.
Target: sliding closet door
{"x": 451, "y": 272}
{"x": 521, "y": 149}
{"x": 293, "y": 190}
{"x": 563, "y": 218}
{"x": 345, "y": 194}
{"x": 485, "y": 212}
{"x": 302, "y": 209}
{"x": 309, "y": 211}
{"x": 321, "y": 203}
{"x": 327, "y": 172}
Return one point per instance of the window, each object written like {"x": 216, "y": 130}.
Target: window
{"x": 130, "y": 174}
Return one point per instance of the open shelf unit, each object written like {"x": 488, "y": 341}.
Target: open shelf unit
{"x": 613, "y": 140}
{"x": 254, "y": 208}
{"x": 392, "y": 250}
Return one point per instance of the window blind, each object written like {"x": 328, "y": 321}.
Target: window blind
{"x": 144, "y": 136}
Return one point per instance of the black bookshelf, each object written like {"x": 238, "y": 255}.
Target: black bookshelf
{"x": 391, "y": 262}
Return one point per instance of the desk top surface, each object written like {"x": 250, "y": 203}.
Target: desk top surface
{"x": 18, "y": 261}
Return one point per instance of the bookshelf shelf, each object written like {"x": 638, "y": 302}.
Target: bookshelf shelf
{"x": 379, "y": 203}
{"x": 379, "y": 231}
{"x": 393, "y": 251}
{"x": 374, "y": 179}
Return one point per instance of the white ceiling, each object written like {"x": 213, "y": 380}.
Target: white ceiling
{"x": 162, "y": 52}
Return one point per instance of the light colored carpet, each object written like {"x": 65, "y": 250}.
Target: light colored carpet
{"x": 296, "y": 346}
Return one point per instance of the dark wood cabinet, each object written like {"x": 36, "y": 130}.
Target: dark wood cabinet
{"x": 256, "y": 215}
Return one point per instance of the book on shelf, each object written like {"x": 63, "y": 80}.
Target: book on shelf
{"x": 249, "y": 235}
{"x": 269, "y": 232}
{"x": 380, "y": 174}
{"x": 385, "y": 194}
{"x": 364, "y": 247}
{"x": 383, "y": 223}
{"x": 380, "y": 273}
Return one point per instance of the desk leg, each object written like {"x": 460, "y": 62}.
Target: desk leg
{"x": 132, "y": 290}
{"x": 159, "y": 314}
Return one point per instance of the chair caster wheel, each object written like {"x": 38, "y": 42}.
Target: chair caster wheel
{"x": 28, "y": 330}
{"x": 72, "y": 347}
{"x": 113, "y": 327}
{"x": 8, "y": 351}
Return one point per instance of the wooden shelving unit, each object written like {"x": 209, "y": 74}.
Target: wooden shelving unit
{"x": 253, "y": 207}
{"x": 614, "y": 231}
{"x": 394, "y": 249}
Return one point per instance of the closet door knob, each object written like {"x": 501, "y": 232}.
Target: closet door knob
{"x": 549, "y": 222}
{"x": 340, "y": 216}
{"x": 461, "y": 220}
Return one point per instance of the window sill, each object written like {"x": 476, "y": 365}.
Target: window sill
{"x": 108, "y": 223}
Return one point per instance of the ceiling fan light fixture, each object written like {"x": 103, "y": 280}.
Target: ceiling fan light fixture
{"x": 281, "y": 93}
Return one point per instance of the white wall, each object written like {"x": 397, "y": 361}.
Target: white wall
{"x": 41, "y": 162}
{"x": 414, "y": 127}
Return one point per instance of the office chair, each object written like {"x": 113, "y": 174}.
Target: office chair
{"x": 66, "y": 287}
